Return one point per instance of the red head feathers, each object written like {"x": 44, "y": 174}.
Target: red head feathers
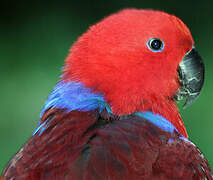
{"x": 114, "y": 57}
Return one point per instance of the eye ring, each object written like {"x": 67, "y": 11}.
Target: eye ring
{"x": 155, "y": 45}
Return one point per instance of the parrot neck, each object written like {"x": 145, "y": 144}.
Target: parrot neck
{"x": 169, "y": 110}
{"x": 71, "y": 96}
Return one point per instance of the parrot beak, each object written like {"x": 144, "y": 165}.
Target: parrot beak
{"x": 191, "y": 76}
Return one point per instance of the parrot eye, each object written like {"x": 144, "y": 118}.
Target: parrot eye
{"x": 155, "y": 45}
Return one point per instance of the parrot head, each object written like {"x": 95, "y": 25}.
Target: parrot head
{"x": 139, "y": 60}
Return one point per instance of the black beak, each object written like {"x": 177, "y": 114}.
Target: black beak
{"x": 191, "y": 76}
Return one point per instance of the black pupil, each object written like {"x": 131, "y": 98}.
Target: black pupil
{"x": 156, "y": 44}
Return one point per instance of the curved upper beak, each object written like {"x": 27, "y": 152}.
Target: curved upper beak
{"x": 191, "y": 76}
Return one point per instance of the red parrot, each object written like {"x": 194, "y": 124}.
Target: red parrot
{"x": 113, "y": 115}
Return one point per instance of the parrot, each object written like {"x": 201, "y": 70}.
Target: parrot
{"x": 113, "y": 114}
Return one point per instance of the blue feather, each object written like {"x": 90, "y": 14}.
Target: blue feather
{"x": 40, "y": 127}
{"x": 75, "y": 96}
{"x": 72, "y": 96}
{"x": 157, "y": 120}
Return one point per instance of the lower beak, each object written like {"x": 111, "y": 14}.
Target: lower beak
{"x": 191, "y": 76}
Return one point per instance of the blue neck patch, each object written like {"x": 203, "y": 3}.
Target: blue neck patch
{"x": 75, "y": 96}
{"x": 157, "y": 120}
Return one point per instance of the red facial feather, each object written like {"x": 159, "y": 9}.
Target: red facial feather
{"x": 112, "y": 58}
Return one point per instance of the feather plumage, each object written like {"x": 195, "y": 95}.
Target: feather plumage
{"x": 85, "y": 145}
{"x": 113, "y": 116}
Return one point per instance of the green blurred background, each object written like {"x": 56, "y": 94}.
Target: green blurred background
{"x": 34, "y": 40}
